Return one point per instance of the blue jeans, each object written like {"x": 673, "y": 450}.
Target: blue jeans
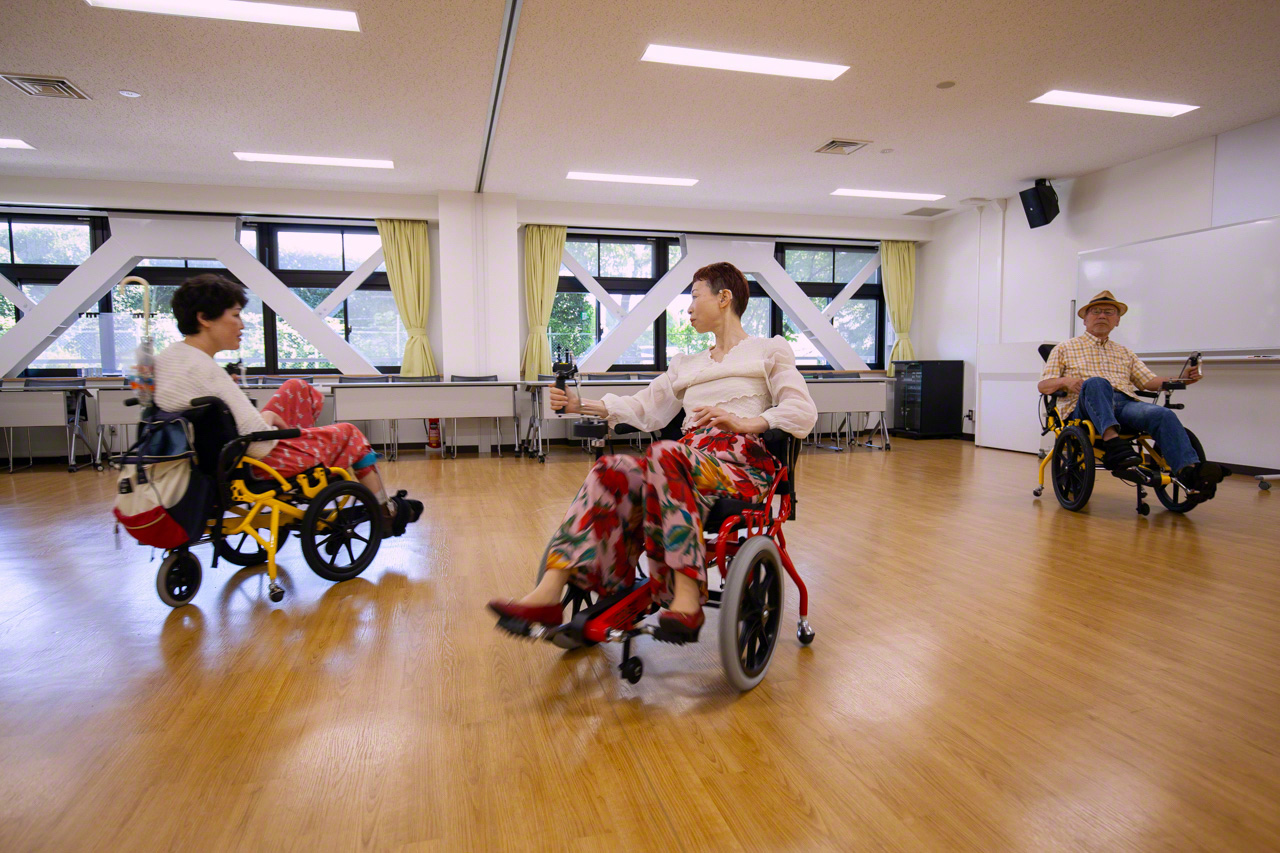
{"x": 1107, "y": 407}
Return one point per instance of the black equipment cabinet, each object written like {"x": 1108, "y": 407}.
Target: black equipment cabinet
{"x": 929, "y": 398}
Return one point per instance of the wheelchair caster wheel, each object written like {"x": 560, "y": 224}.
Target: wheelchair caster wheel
{"x": 1041, "y": 453}
{"x": 1038, "y": 491}
{"x": 632, "y": 669}
{"x": 804, "y": 633}
{"x": 275, "y": 592}
{"x": 1264, "y": 485}
{"x": 98, "y": 466}
{"x": 1144, "y": 509}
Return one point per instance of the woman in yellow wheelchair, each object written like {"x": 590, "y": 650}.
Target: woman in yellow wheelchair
{"x": 207, "y": 308}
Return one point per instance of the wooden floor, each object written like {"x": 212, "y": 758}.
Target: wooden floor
{"x": 991, "y": 672}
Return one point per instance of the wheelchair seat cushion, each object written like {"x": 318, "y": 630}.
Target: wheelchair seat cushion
{"x": 725, "y": 508}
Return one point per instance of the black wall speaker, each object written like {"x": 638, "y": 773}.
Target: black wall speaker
{"x": 1040, "y": 203}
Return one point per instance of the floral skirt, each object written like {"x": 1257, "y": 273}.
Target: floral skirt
{"x": 656, "y": 504}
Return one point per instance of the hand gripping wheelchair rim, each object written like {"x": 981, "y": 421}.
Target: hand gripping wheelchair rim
{"x": 1070, "y": 465}
{"x": 750, "y": 553}
{"x": 246, "y": 506}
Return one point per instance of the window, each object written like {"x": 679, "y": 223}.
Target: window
{"x": 8, "y": 315}
{"x": 573, "y": 325}
{"x": 674, "y": 254}
{"x": 822, "y": 272}
{"x": 641, "y": 351}
{"x": 374, "y": 328}
{"x": 311, "y": 261}
{"x": 626, "y": 260}
{"x": 309, "y": 250}
{"x": 78, "y": 348}
{"x": 52, "y": 242}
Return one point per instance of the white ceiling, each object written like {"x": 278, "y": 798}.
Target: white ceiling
{"x": 414, "y": 86}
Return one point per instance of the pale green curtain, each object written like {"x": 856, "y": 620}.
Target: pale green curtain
{"x": 407, "y": 252}
{"x": 543, "y": 251}
{"x": 898, "y": 264}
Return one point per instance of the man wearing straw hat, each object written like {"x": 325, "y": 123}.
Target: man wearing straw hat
{"x": 1101, "y": 377}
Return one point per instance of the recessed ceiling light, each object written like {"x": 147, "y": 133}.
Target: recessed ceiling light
{"x": 631, "y": 179}
{"x": 315, "y": 161}
{"x": 947, "y": 84}
{"x": 742, "y": 62}
{"x": 888, "y": 194}
{"x": 886, "y": 150}
{"x": 240, "y": 10}
{"x": 129, "y": 94}
{"x": 15, "y": 143}
{"x": 1059, "y": 98}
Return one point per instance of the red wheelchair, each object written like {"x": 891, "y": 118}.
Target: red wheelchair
{"x": 746, "y": 546}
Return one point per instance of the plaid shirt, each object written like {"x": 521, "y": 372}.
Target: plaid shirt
{"x": 1086, "y": 357}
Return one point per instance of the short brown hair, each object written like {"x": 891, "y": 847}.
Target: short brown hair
{"x": 725, "y": 276}
{"x": 209, "y": 294}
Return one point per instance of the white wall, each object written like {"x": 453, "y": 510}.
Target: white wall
{"x": 945, "y": 322}
{"x": 1025, "y": 279}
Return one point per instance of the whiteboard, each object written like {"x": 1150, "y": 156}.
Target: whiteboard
{"x": 1211, "y": 290}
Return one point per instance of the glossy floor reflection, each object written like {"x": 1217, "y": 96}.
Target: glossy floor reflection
{"x": 991, "y": 672}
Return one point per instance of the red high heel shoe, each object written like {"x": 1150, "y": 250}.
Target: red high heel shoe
{"x": 544, "y": 614}
{"x": 681, "y": 627}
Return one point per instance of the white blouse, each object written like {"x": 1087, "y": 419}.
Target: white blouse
{"x": 184, "y": 373}
{"x": 757, "y": 378}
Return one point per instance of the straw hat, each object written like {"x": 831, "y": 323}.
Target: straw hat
{"x": 1103, "y": 298}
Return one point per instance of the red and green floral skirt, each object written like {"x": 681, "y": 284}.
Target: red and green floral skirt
{"x": 655, "y": 504}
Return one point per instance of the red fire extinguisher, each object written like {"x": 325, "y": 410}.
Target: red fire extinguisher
{"x": 433, "y": 434}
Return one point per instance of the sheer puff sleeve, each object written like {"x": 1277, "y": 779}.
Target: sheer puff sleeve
{"x": 652, "y": 408}
{"x": 793, "y": 409}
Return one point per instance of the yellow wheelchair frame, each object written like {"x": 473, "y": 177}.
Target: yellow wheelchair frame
{"x": 327, "y": 506}
{"x": 1073, "y": 472}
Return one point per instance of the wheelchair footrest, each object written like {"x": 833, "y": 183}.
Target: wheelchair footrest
{"x": 674, "y": 639}
{"x": 515, "y": 626}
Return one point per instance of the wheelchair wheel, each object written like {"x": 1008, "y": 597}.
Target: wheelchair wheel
{"x": 1072, "y": 468}
{"x": 341, "y": 530}
{"x": 751, "y": 612}
{"x": 178, "y": 579}
{"x": 1173, "y": 496}
{"x": 241, "y": 549}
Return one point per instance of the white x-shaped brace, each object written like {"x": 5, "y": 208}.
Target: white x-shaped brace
{"x": 752, "y": 257}
{"x": 135, "y": 238}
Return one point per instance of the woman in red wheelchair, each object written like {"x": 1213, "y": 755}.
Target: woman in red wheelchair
{"x": 207, "y": 308}
{"x": 655, "y": 505}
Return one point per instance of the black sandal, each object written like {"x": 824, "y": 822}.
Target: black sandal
{"x": 407, "y": 512}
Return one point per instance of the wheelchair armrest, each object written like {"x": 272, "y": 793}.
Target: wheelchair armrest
{"x": 1061, "y": 392}
{"x": 132, "y": 401}
{"x": 1150, "y": 395}
{"x": 271, "y": 435}
{"x": 1173, "y": 385}
{"x": 625, "y": 429}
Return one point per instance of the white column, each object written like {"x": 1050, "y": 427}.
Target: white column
{"x": 479, "y": 285}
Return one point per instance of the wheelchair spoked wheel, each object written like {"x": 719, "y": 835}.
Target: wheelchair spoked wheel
{"x": 241, "y": 549}
{"x": 341, "y": 530}
{"x": 751, "y": 612}
{"x": 1173, "y": 496}
{"x": 1073, "y": 468}
{"x": 178, "y": 579}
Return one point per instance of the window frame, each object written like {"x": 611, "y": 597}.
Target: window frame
{"x": 52, "y": 274}
{"x": 873, "y": 289}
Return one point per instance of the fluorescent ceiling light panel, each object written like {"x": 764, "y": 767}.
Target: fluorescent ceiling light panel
{"x": 15, "y": 143}
{"x": 1059, "y": 98}
{"x": 315, "y": 161}
{"x": 742, "y": 62}
{"x": 240, "y": 10}
{"x": 887, "y": 194}
{"x": 631, "y": 179}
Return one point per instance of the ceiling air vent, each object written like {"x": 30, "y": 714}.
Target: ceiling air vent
{"x": 46, "y": 87}
{"x": 926, "y": 211}
{"x": 842, "y": 146}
